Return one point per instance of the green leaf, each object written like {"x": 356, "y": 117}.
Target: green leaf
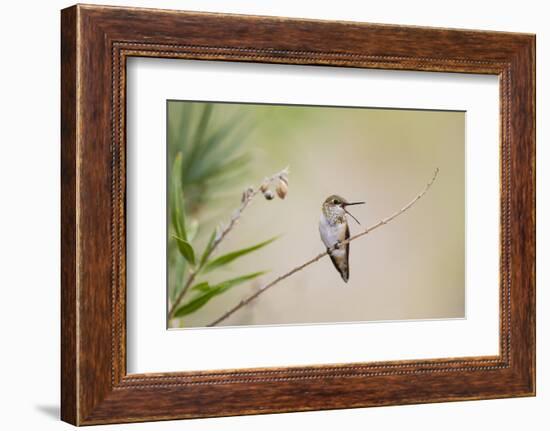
{"x": 194, "y": 304}
{"x": 222, "y": 167}
{"x": 179, "y": 116}
{"x": 207, "y": 294}
{"x": 179, "y": 266}
{"x": 232, "y": 142}
{"x": 208, "y": 248}
{"x": 202, "y": 287}
{"x": 176, "y": 199}
{"x": 228, "y": 284}
{"x": 230, "y": 257}
{"x": 213, "y": 147}
{"x": 192, "y": 229}
{"x": 186, "y": 249}
{"x": 198, "y": 137}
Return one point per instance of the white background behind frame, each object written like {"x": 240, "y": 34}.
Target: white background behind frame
{"x": 152, "y": 348}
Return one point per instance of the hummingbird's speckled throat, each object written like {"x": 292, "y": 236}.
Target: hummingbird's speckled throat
{"x": 334, "y": 228}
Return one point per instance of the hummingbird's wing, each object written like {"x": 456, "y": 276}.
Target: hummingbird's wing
{"x": 347, "y": 254}
{"x": 340, "y": 258}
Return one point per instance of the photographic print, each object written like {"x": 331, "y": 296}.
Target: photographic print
{"x": 295, "y": 214}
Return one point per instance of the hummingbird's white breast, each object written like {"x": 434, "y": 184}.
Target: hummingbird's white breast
{"x": 331, "y": 233}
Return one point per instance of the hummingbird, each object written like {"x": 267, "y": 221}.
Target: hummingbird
{"x": 334, "y": 228}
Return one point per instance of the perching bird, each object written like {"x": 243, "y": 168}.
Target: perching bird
{"x": 334, "y": 229}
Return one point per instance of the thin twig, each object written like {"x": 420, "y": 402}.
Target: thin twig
{"x": 323, "y": 254}
{"x": 180, "y": 296}
{"x": 248, "y": 195}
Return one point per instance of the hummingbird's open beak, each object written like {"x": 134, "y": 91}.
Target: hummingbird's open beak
{"x": 350, "y": 214}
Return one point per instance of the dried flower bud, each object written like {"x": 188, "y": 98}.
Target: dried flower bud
{"x": 284, "y": 178}
{"x": 268, "y": 194}
{"x": 247, "y": 194}
{"x": 282, "y": 189}
{"x": 265, "y": 186}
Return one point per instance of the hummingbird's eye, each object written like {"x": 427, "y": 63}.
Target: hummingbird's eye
{"x": 336, "y": 202}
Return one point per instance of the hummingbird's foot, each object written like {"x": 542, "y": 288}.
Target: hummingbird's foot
{"x": 336, "y": 246}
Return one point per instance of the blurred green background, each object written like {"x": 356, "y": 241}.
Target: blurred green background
{"x": 412, "y": 268}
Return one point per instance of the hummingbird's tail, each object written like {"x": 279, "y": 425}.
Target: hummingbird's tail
{"x": 340, "y": 262}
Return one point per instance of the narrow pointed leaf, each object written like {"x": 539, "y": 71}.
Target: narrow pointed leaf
{"x": 176, "y": 199}
{"x": 230, "y": 257}
{"x": 194, "y": 304}
{"x": 186, "y": 249}
{"x": 208, "y": 248}
{"x": 198, "y": 137}
{"x": 202, "y": 287}
{"x": 221, "y": 135}
{"x": 228, "y": 284}
{"x": 192, "y": 229}
{"x": 207, "y": 294}
{"x": 223, "y": 167}
{"x": 180, "y": 266}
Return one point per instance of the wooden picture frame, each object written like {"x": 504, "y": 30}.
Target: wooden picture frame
{"x": 95, "y": 43}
